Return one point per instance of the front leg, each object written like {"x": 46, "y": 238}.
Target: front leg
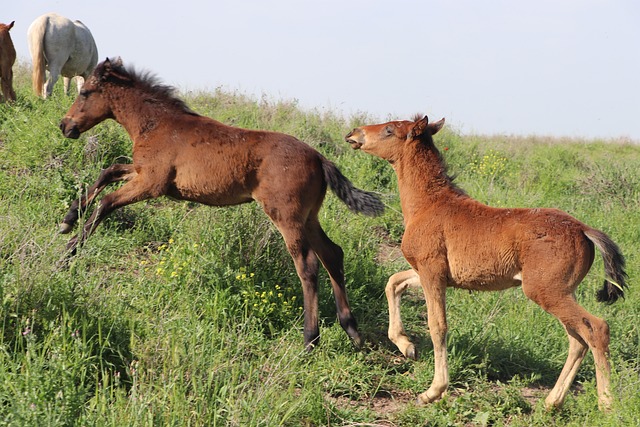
{"x": 435, "y": 295}
{"x": 114, "y": 173}
{"x": 134, "y": 191}
{"x": 397, "y": 284}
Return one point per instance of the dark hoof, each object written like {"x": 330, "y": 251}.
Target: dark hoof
{"x": 311, "y": 343}
{"x": 357, "y": 340}
{"x": 65, "y": 228}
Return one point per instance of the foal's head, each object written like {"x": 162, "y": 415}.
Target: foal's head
{"x": 387, "y": 140}
{"x": 97, "y": 101}
{"x": 91, "y": 106}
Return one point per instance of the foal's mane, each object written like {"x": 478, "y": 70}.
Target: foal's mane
{"x": 148, "y": 83}
{"x": 428, "y": 143}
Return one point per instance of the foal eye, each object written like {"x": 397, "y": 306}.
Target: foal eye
{"x": 388, "y": 131}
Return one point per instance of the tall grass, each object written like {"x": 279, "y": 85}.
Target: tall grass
{"x": 180, "y": 314}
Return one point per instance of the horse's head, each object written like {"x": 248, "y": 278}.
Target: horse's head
{"x": 386, "y": 140}
{"x": 92, "y": 105}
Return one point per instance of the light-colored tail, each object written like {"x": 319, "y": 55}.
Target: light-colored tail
{"x": 36, "y": 47}
{"x": 615, "y": 276}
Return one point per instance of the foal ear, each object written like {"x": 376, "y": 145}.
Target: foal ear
{"x": 10, "y": 26}
{"x": 112, "y": 68}
{"x": 436, "y": 126}
{"x": 418, "y": 128}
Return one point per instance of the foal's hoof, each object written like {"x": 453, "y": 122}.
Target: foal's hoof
{"x": 65, "y": 228}
{"x": 357, "y": 340}
{"x": 424, "y": 399}
{"x": 410, "y": 353}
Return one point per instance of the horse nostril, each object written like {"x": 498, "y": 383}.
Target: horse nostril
{"x": 349, "y": 135}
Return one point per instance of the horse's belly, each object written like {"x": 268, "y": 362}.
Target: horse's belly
{"x": 489, "y": 279}
{"x": 210, "y": 196}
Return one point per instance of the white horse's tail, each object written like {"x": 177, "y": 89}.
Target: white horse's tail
{"x": 36, "y": 47}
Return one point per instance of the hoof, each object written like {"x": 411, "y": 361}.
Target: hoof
{"x": 424, "y": 399}
{"x": 65, "y": 228}
{"x": 357, "y": 340}
{"x": 411, "y": 353}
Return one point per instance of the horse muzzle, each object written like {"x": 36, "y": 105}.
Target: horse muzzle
{"x": 352, "y": 139}
{"x": 69, "y": 128}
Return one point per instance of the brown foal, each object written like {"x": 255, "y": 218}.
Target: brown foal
{"x": 186, "y": 156}
{"x": 453, "y": 240}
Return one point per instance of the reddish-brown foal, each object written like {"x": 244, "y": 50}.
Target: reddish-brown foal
{"x": 181, "y": 154}
{"x": 452, "y": 240}
{"x": 7, "y": 59}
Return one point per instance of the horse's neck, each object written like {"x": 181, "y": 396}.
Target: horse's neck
{"x": 422, "y": 181}
{"x": 135, "y": 114}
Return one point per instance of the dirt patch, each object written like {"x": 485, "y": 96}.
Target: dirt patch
{"x": 385, "y": 404}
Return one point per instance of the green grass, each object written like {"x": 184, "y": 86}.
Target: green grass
{"x": 175, "y": 314}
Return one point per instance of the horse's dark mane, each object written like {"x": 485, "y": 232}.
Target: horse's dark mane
{"x": 150, "y": 84}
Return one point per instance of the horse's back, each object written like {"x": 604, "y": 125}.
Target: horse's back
{"x": 487, "y": 248}
{"x": 85, "y": 53}
{"x": 216, "y": 164}
{"x": 66, "y": 44}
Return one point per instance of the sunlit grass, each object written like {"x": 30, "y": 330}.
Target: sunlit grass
{"x": 180, "y": 314}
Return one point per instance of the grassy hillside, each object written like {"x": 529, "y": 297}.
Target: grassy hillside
{"x": 179, "y": 314}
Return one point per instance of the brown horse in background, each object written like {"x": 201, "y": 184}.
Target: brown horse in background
{"x": 7, "y": 59}
{"x": 186, "y": 156}
{"x": 453, "y": 240}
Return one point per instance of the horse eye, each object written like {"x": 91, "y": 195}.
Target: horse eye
{"x": 388, "y": 131}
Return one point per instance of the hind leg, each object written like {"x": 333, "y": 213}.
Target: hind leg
{"x": 66, "y": 81}
{"x": 306, "y": 263}
{"x": 584, "y": 329}
{"x": 54, "y": 73}
{"x": 397, "y": 284}
{"x": 79, "y": 83}
{"x": 332, "y": 258}
{"x": 577, "y": 351}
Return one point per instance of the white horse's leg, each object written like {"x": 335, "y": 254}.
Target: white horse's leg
{"x": 66, "y": 81}
{"x": 79, "y": 83}
{"x": 54, "y": 73}
{"x": 397, "y": 284}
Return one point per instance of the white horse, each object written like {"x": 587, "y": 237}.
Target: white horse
{"x": 62, "y": 47}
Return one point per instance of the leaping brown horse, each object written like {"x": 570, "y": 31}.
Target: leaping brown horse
{"x": 453, "y": 240}
{"x": 181, "y": 154}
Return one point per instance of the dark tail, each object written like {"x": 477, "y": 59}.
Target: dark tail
{"x": 615, "y": 276}
{"x": 358, "y": 201}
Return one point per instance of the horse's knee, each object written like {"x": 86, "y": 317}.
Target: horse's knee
{"x": 399, "y": 282}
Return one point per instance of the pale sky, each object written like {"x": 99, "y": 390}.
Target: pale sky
{"x": 546, "y": 67}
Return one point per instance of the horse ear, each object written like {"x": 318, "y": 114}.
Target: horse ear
{"x": 418, "y": 128}
{"x": 10, "y": 26}
{"x": 112, "y": 68}
{"x": 436, "y": 126}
